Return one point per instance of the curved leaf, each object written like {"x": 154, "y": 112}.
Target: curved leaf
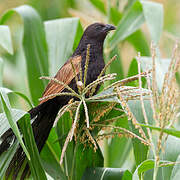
{"x": 127, "y": 175}
{"x": 103, "y": 174}
{"x": 86, "y": 157}
{"x": 154, "y": 20}
{"x": 140, "y": 12}
{"x": 35, "y": 161}
{"x": 34, "y": 45}
{"x": 147, "y": 165}
{"x": 176, "y": 170}
{"x": 4, "y": 125}
{"x": 62, "y": 36}
{"x": 172, "y": 132}
{"x": 119, "y": 148}
{"x": 7, "y": 110}
{"x": 6, "y": 158}
{"x": 8, "y": 91}
{"x": 5, "y": 39}
{"x": 130, "y": 22}
{"x": 1, "y": 71}
{"x": 50, "y": 157}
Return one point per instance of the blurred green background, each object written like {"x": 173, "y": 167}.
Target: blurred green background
{"x": 84, "y": 9}
{"x": 52, "y": 9}
{"x": 14, "y": 65}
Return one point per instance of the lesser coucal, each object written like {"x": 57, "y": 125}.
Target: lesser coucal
{"x": 45, "y": 113}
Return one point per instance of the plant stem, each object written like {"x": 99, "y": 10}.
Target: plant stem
{"x": 156, "y": 165}
{"x": 106, "y": 153}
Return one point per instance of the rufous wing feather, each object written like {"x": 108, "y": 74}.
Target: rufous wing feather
{"x": 65, "y": 75}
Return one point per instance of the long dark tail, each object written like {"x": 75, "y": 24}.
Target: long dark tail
{"x": 45, "y": 115}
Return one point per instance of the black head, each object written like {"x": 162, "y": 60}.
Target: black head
{"x": 94, "y": 34}
{"x": 98, "y": 31}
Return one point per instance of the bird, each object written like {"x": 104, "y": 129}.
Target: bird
{"x": 45, "y": 113}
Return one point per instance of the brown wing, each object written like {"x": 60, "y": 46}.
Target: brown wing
{"x": 65, "y": 74}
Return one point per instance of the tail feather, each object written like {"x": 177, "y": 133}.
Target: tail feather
{"x": 7, "y": 139}
{"x": 44, "y": 115}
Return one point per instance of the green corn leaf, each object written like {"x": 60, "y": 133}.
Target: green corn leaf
{"x": 7, "y": 110}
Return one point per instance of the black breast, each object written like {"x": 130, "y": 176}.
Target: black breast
{"x": 96, "y": 62}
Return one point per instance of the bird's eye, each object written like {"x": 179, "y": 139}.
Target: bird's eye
{"x": 99, "y": 27}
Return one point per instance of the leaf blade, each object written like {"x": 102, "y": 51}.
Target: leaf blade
{"x": 7, "y": 110}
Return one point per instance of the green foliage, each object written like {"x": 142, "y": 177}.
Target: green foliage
{"x": 175, "y": 172}
{"x": 168, "y": 131}
{"x": 70, "y": 36}
{"x": 147, "y": 165}
{"x": 1, "y": 71}
{"x": 50, "y": 157}
{"x": 6, "y": 158}
{"x": 35, "y": 161}
{"x": 5, "y": 40}
{"x": 44, "y": 47}
{"x": 135, "y": 107}
{"x": 7, "y": 109}
{"x": 34, "y": 46}
{"x": 103, "y": 173}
